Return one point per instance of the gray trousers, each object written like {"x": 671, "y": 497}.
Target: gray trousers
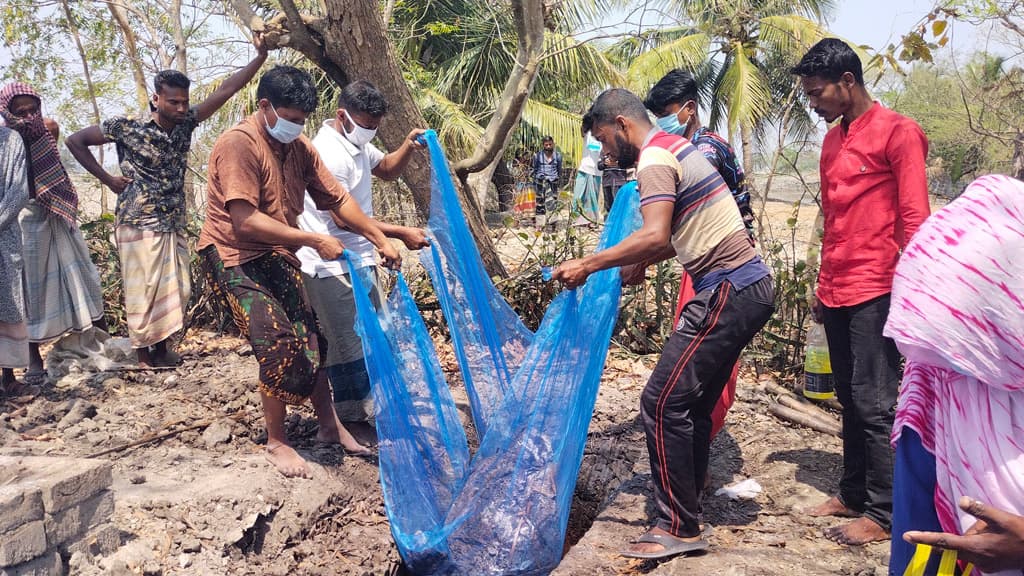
{"x": 334, "y": 303}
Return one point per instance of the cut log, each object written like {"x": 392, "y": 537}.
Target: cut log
{"x": 773, "y": 388}
{"x": 803, "y": 419}
{"x": 781, "y": 391}
{"x": 808, "y": 408}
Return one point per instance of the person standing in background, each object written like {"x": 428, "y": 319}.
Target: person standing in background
{"x": 874, "y": 197}
{"x": 62, "y": 286}
{"x": 588, "y": 183}
{"x": 546, "y": 170}
{"x": 151, "y": 219}
{"x": 13, "y": 197}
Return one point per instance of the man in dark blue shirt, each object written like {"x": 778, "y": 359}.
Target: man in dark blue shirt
{"x": 673, "y": 100}
{"x": 546, "y": 170}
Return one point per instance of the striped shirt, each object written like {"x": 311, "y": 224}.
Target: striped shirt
{"x": 708, "y": 234}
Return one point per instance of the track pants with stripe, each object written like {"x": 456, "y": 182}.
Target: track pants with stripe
{"x": 677, "y": 403}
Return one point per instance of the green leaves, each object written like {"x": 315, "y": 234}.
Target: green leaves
{"x": 748, "y": 97}
{"x": 689, "y": 52}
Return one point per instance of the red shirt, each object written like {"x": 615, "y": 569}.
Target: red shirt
{"x": 874, "y": 195}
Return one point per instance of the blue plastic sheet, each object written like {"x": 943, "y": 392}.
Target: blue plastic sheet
{"x": 489, "y": 338}
{"x": 504, "y": 511}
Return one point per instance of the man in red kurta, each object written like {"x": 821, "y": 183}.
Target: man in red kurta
{"x": 874, "y": 196}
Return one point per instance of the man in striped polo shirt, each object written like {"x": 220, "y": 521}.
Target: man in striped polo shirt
{"x": 689, "y": 213}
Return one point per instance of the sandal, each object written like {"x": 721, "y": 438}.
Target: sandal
{"x": 671, "y": 546}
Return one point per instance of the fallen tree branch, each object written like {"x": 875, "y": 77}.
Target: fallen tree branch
{"x": 157, "y": 436}
{"x": 807, "y": 408}
{"x": 783, "y": 392}
{"x": 803, "y": 419}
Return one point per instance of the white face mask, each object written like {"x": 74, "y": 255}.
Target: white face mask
{"x": 284, "y": 131}
{"x": 359, "y": 136}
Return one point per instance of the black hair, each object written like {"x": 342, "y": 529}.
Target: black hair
{"x": 678, "y": 87}
{"x": 362, "y": 96}
{"x": 587, "y": 124}
{"x": 830, "y": 59}
{"x": 289, "y": 87}
{"x": 616, "y": 102}
{"x": 547, "y": 139}
{"x": 171, "y": 78}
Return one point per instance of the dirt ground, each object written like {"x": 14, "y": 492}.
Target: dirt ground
{"x": 204, "y": 501}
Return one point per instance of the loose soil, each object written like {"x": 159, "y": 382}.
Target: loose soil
{"x": 206, "y": 502}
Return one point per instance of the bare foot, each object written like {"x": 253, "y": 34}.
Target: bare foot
{"x": 832, "y": 507}
{"x": 17, "y": 390}
{"x": 857, "y": 533}
{"x": 364, "y": 432}
{"x": 339, "y": 435}
{"x": 287, "y": 461}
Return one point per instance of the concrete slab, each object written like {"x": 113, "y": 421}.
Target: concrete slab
{"x": 74, "y": 521}
{"x": 49, "y": 564}
{"x": 22, "y": 543}
{"x": 63, "y": 482}
{"x": 18, "y": 506}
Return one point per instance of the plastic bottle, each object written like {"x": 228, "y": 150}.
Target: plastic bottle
{"x": 818, "y": 381}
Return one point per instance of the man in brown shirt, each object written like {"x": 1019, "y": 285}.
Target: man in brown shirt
{"x": 259, "y": 173}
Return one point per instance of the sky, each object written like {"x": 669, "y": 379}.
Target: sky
{"x": 876, "y": 23}
{"x": 879, "y": 23}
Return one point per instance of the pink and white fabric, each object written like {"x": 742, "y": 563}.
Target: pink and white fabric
{"x": 957, "y": 315}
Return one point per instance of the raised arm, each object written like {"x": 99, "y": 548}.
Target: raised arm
{"x": 392, "y": 165}
{"x": 235, "y": 82}
{"x": 79, "y": 143}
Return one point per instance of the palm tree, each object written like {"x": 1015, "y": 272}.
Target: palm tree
{"x": 736, "y": 47}
{"x": 458, "y": 54}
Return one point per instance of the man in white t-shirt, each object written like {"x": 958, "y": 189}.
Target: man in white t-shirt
{"x": 345, "y": 148}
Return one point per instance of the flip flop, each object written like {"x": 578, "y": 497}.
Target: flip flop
{"x": 671, "y": 545}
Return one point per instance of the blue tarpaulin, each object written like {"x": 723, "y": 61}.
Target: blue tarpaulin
{"x": 505, "y": 509}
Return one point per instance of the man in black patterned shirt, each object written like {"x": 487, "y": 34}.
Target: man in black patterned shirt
{"x": 150, "y": 215}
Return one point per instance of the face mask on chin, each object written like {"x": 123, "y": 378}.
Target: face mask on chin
{"x": 284, "y": 131}
{"x": 358, "y": 136}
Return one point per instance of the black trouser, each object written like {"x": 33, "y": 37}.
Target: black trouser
{"x": 547, "y": 193}
{"x": 866, "y": 368}
{"x": 677, "y": 402}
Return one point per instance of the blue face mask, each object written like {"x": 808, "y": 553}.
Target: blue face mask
{"x": 671, "y": 124}
{"x": 284, "y": 131}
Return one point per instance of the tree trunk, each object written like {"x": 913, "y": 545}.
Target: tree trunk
{"x": 349, "y": 41}
{"x": 130, "y": 42}
{"x": 746, "y": 141}
{"x": 73, "y": 28}
{"x": 180, "y": 48}
{"x": 1018, "y": 156}
{"x": 529, "y": 19}
{"x": 389, "y": 9}
{"x": 504, "y": 183}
